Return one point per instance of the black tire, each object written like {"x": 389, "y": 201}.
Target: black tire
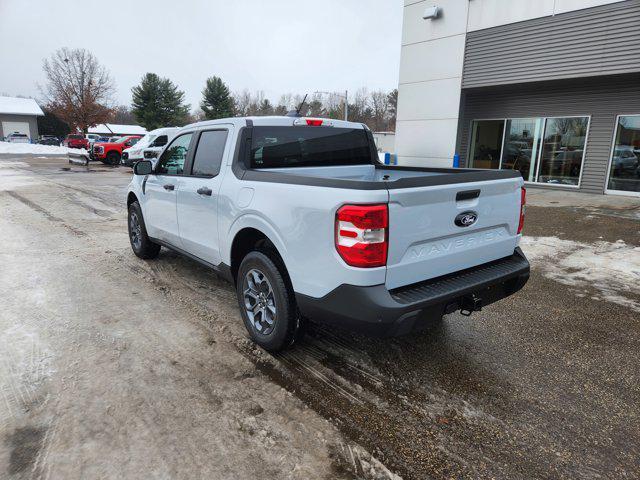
{"x": 113, "y": 158}
{"x": 141, "y": 244}
{"x": 287, "y": 322}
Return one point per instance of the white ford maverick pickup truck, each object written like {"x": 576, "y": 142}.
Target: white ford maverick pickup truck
{"x": 301, "y": 217}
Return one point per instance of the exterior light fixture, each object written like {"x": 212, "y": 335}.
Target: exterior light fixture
{"x": 431, "y": 13}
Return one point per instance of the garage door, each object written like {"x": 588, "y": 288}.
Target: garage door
{"x": 13, "y": 127}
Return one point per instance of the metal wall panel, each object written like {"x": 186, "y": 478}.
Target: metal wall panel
{"x": 596, "y": 41}
{"x": 601, "y": 98}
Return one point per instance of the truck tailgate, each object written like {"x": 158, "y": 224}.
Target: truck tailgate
{"x": 424, "y": 240}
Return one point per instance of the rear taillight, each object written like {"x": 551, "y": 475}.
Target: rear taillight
{"x": 523, "y": 206}
{"x": 362, "y": 235}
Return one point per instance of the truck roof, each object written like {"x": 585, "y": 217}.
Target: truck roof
{"x": 273, "y": 121}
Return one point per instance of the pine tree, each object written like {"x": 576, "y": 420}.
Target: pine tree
{"x": 157, "y": 103}
{"x": 265, "y": 108}
{"x": 217, "y": 101}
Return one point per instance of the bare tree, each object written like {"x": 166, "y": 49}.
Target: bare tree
{"x": 79, "y": 89}
{"x": 242, "y": 101}
{"x": 122, "y": 115}
{"x": 380, "y": 111}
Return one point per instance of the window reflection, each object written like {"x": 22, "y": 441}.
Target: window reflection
{"x": 624, "y": 174}
{"x": 521, "y": 146}
{"x": 563, "y": 150}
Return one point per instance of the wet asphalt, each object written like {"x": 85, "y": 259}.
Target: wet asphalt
{"x": 545, "y": 384}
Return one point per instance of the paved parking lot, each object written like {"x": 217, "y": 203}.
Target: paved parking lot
{"x": 113, "y": 367}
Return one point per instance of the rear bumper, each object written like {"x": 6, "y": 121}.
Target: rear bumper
{"x": 376, "y": 310}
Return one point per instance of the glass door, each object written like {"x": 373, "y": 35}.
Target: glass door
{"x": 521, "y": 146}
{"x": 486, "y": 143}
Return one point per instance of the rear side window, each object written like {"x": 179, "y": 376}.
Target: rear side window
{"x": 209, "y": 153}
{"x": 277, "y": 147}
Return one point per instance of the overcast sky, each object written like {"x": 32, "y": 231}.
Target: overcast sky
{"x": 278, "y": 46}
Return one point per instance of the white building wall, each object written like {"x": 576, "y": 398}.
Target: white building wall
{"x": 431, "y": 65}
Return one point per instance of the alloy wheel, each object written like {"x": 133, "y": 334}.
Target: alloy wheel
{"x": 135, "y": 230}
{"x": 259, "y": 302}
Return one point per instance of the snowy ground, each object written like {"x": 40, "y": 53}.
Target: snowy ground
{"x": 114, "y": 367}
{"x": 35, "y": 149}
{"x": 611, "y": 268}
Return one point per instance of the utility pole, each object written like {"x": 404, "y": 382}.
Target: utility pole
{"x": 346, "y": 105}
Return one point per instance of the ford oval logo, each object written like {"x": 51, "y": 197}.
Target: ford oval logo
{"x": 466, "y": 219}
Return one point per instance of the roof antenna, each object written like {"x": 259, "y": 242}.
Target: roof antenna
{"x": 297, "y": 112}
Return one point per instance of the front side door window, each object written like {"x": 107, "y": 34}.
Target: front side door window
{"x": 174, "y": 157}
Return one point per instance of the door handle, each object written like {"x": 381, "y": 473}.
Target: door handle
{"x": 204, "y": 191}
{"x": 169, "y": 187}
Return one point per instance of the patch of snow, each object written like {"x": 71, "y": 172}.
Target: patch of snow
{"x": 613, "y": 269}
{"x": 20, "y": 106}
{"x": 116, "y": 129}
{"x": 36, "y": 149}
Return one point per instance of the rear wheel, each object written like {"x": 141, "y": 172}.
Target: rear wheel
{"x": 267, "y": 304}
{"x": 113, "y": 158}
{"x": 141, "y": 244}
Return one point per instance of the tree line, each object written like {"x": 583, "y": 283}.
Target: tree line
{"x": 79, "y": 94}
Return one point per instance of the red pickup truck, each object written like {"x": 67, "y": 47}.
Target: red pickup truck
{"x": 111, "y": 152}
{"x": 76, "y": 141}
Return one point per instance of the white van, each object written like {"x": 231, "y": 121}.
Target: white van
{"x": 154, "y": 140}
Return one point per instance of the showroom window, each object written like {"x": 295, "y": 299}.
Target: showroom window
{"x": 565, "y": 140}
{"x": 624, "y": 169}
{"x": 544, "y": 150}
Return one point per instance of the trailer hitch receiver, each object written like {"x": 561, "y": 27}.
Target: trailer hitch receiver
{"x": 470, "y": 304}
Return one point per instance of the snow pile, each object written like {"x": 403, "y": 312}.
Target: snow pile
{"x": 35, "y": 149}
{"x": 613, "y": 269}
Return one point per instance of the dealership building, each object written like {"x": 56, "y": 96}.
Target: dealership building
{"x": 550, "y": 88}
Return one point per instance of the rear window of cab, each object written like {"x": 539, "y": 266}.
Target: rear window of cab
{"x": 280, "y": 147}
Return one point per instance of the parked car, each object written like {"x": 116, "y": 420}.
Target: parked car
{"x": 49, "y": 140}
{"x": 152, "y": 141}
{"x": 76, "y": 140}
{"x": 93, "y": 138}
{"x": 625, "y": 161}
{"x": 301, "y": 217}
{"x": 17, "y": 138}
{"x": 111, "y": 152}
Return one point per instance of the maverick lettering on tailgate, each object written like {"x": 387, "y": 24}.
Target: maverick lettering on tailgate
{"x": 446, "y": 246}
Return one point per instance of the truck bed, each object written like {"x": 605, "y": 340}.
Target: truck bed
{"x": 375, "y": 177}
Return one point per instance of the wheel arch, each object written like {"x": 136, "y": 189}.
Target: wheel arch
{"x": 131, "y": 197}
{"x": 248, "y": 239}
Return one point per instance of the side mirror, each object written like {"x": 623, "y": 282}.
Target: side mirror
{"x": 127, "y": 144}
{"x": 143, "y": 167}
